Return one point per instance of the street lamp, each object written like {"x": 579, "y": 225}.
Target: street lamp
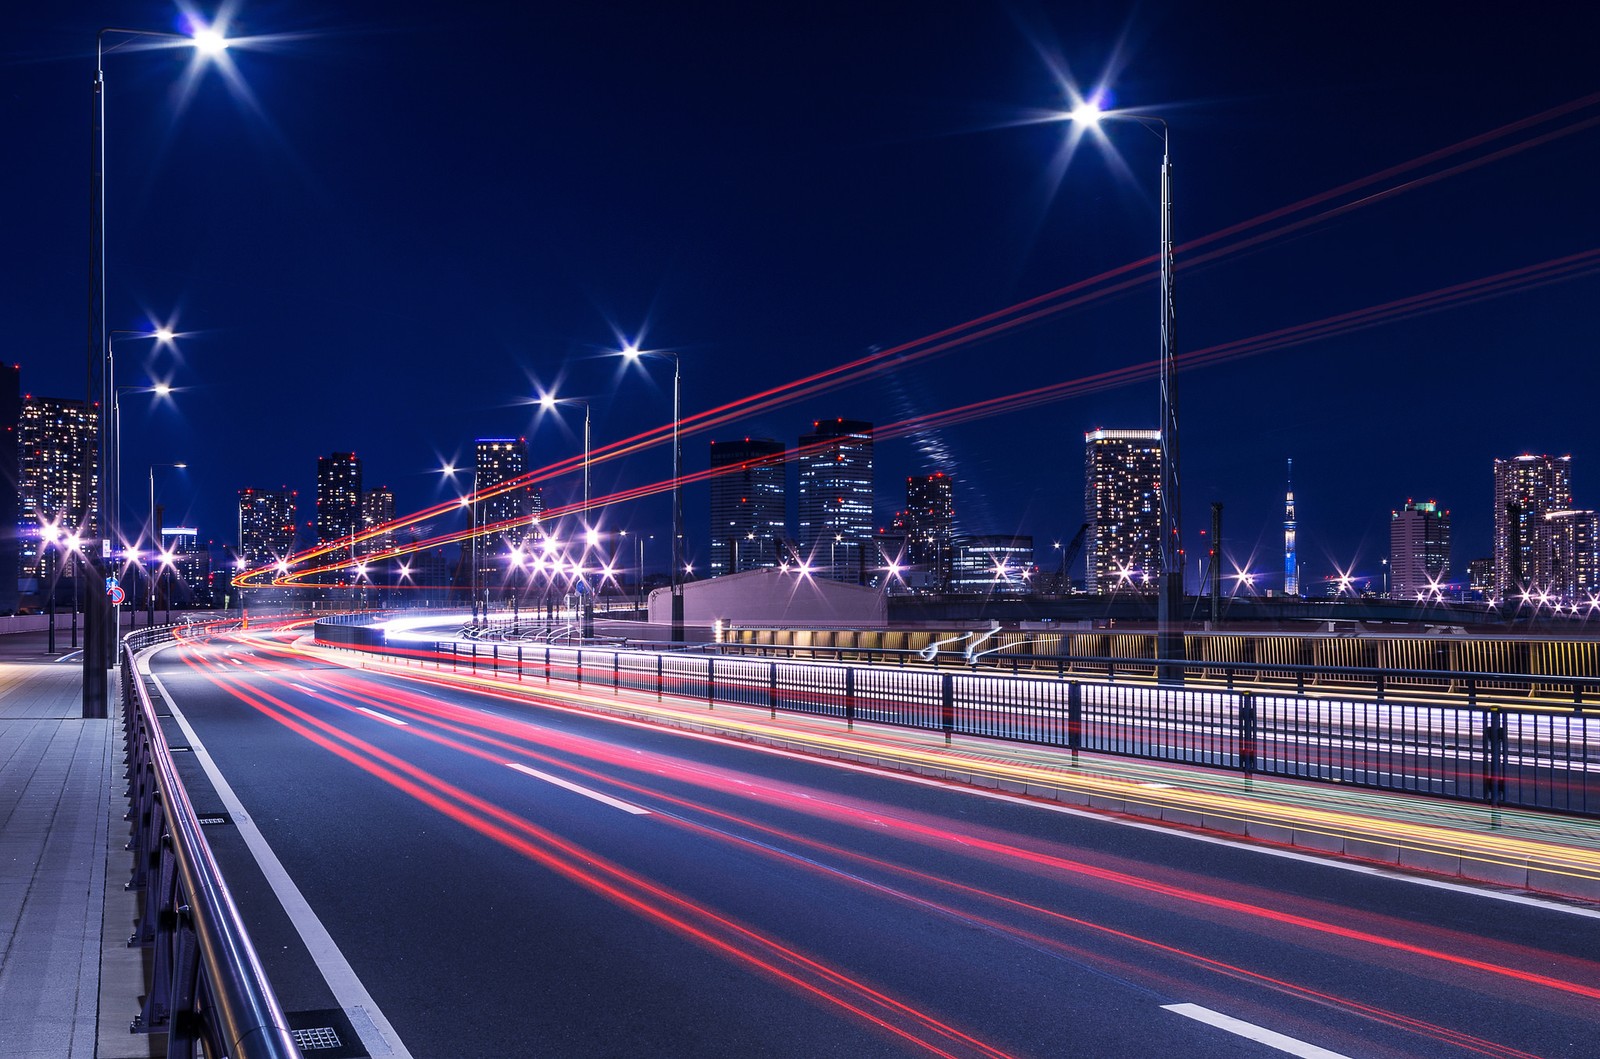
{"x": 633, "y": 353}
{"x": 113, "y": 517}
{"x": 99, "y": 651}
{"x": 548, "y": 402}
{"x": 155, "y": 545}
{"x": 1169, "y": 599}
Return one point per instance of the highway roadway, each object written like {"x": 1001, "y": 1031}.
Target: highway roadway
{"x": 480, "y": 871}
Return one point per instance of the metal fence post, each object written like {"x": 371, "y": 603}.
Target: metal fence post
{"x": 547, "y": 665}
{"x": 661, "y": 678}
{"x": 578, "y": 667}
{"x": 772, "y": 690}
{"x": 850, "y": 698}
{"x": 711, "y": 682}
{"x": 1494, "y": 756}
{"x": 616, "y": 671}
{"x": 947, "y": 705}
{"x": 1247, "y": 731}
{"x": 519, "y": 662}
{"x": 1075, "y": 716}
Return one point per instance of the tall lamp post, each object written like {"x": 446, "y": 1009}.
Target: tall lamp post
{"x": 100, "y": 635}
{"x": 155, "y": 544}
{"x": 634, "y": 353}
{"x": 586, "y": 621}
{"x": 1169, "y": 598}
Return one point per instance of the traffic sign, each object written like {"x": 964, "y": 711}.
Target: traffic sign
{"x": 115, "y": 591}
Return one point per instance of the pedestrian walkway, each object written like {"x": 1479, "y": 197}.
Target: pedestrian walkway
{"x": 55, "y": 809}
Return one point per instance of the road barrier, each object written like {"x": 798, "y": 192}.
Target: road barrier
{"x": 1468, "y": 736}
{"x": 208, "y": 991}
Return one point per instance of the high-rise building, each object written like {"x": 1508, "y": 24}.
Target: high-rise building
{"x": 184, "y": 575}
{"x": 1291, "y": 561}
{"x": 1419, "y": 550}
{"x": 1480, "y": 578}
{"x": 992, "y": 565}
{"x": 10, "y": 481}
{"x": 338, "y": 496}
{"x": 930, "y": 523}
{"x": 57, "y": 477}
{"x": 835, "y": 504}
{"x": 1573, "y": 538}
{"x": 266, "y": 525}
{"x": 504, "y": 508}
{"x": 1122, "y": 505}
{"x": 377, "y": 509}
{"x": 1526, "y": 489}
{"x": 748, "y": 504}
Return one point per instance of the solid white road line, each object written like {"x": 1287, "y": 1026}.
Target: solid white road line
{"x": 374, "y": 1029}
{"x": 1251, "y": 1031}
{"x": 397, "y": 722}
{"x": 615, "y": 803}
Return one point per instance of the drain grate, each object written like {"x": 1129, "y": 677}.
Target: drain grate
{"x": 318, "y": 1039}
{"x": 325, "y": 1033}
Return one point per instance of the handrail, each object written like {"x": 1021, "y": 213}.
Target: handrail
{"x": 210, "y": 988}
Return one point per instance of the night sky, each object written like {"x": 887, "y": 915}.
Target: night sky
{"x": 398, "y": 221}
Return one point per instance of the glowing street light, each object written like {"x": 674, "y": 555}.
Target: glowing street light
{"x": 99, "y": 648}
{"x": 1169, "y": 600}
{"x": 633, "y": 353}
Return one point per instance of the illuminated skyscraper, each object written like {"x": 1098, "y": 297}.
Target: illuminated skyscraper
{"x": 499, "y": 461}
{"x": 930, "y": 522}
{"x": 377, "y": 509}
{"x": 1122, "y": 505}
{"x": 748, "y": 504}
{"x": 1573, "y": 540}
{"x": 338, "y": 496}
{"x": 835, "y": 505}
{"x": 57, "y": 479}
{"x": 10, "y": 478}
{"x": 1526, "y": 489}
{"x": 992, "y": 565}
{"x": 1419, "y": 551}
{"x": 1291, "y": 566}
{"x": 266, "y": 525}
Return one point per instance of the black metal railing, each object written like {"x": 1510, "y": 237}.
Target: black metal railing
{"x": 208, "y": 991}
{"x": 1477, "y": 739}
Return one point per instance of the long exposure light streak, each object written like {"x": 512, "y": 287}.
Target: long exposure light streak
{"x": 1026, "y": 312}
{"x": 703, "y": 925}
{"x": 969, "y": 841}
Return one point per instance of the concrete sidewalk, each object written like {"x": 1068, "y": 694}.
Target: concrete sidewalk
{"x": 56, "y": 809}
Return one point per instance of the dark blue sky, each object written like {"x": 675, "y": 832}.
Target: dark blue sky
{"x": 419, "y": 212}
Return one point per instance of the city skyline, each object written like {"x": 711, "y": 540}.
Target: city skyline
{"x": 917, "y": 193}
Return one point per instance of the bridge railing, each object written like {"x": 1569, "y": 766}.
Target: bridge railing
{"x": 208, "y": 991}
{"x": 1427, "y": 743}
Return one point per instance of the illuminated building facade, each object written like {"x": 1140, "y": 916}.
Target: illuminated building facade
{"x": 1526, "y": 489}
{"x": 10, "y": 533}
{"x": 1572, "y": 538}
{"x": 748, "y": 504}
{"x": 377, "y": 509}
{"x": 835, "y": 503}
{"x": 930, "y": 523}
{"x": 1419, "y": 551}
{"x": 1122, "y": 505}
{"x": 57, "y": 476}
{"x": 497, "y": 462}
{"x": 338, "y": 496}
{"x": 991, "y": 565}
{"x": 266, "y": 525}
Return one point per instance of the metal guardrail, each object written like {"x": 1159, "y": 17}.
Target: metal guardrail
{"x": 209, "y": 993}
{"x": 1497, "y": 753}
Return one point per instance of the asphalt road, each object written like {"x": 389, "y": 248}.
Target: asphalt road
{"x": 510, "y": 878}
